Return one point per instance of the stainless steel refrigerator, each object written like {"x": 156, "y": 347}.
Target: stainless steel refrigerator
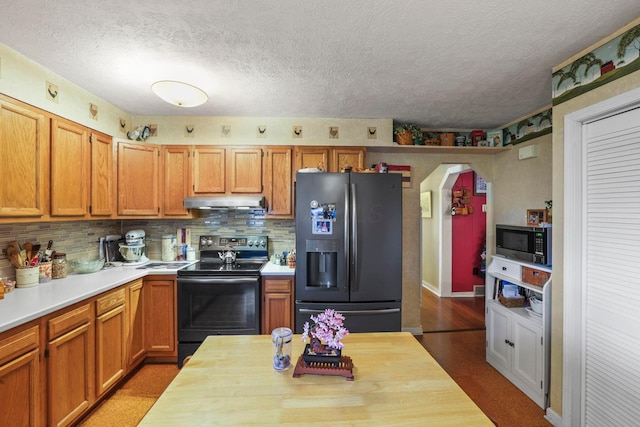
{"x": 349, "y": 249}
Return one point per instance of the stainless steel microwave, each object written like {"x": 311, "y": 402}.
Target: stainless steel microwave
{"x": 530, "y": 244}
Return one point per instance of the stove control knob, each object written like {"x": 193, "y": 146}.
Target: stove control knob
{"x": 250, "y": 243}
{"x": 263, "y": 243}
{"x": 203, "y": 241}
{"x": 209, "y": 242}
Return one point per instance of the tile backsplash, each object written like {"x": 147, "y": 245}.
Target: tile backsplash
{"x": 80, "y": 239}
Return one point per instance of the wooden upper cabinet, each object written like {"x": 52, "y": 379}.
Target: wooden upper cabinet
{"x": 176, "y": 179}
{"x": 278, "y": 191}
{"x": 312, "y": 157}
{"x": 24, "y": 155}
{"x": 347, "y": 156}
{"x": 102, "y": 196}
{"x": 138, "y": 179}
{"x": 244, "y": 171}
{"x": 70, "y": 167}
{"x": 208, "y": 170}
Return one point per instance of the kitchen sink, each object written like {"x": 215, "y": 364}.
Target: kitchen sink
{"x": 171, "y": 265}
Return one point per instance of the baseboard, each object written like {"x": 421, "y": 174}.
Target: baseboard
{"x": 413, "y": 330}
{"x": 463, "y": 294}
{"x": 430, "y": 288}
{"x": 553, "y": 417}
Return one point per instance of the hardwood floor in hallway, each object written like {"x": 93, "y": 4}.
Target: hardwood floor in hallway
{"x": 451, "y": 314}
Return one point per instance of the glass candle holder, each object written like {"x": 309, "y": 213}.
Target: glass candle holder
{"x": 281, "y": 338}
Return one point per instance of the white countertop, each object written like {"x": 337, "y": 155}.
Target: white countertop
{"x": 271, "y": 269}
{"x": 25, "y": 304}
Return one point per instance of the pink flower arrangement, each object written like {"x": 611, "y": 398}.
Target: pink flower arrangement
{"x": 327, "y": 327}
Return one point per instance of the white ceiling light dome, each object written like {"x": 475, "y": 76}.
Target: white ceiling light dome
{"x": 179, "y": 93}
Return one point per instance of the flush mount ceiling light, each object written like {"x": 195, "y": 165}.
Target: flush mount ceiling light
{"x": 178, "y": 93}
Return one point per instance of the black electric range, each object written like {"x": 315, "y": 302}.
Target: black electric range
{"x": 218, "y": 298}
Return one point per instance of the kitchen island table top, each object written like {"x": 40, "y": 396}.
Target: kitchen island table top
{"x": 230, "y": 381}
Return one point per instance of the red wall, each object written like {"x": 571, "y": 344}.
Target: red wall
{"x": 468, "y": 234}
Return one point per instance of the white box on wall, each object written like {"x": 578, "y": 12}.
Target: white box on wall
{"x": 528, "y": 152}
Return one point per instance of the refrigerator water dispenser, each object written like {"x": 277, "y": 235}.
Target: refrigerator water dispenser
{"x": 322, "y": 263}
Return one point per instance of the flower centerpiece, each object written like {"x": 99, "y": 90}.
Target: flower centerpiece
{"x": 325, "y": 336}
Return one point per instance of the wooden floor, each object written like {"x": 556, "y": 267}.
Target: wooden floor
{"x": 454, "y": 336}
{"x": 451, "y": 314}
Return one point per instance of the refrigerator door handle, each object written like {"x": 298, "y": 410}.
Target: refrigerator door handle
{"x": 352, "y": 312}
{"x": 354, "y": 239}
{"x": 345, "y": 238}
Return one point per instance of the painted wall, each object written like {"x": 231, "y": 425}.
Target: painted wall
{"x": 468, "y": 238}
{"x": 522, "y": 184}
{"x": 610, "y": 90}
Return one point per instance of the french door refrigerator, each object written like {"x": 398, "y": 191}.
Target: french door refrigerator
{"x": 349, "y": 249}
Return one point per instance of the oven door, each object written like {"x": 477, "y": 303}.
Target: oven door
{"x": 217, "y": 306}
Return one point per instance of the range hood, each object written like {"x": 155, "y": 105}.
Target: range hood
{"x": 225, "y": 202}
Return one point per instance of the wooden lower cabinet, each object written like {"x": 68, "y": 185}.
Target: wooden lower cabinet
{"x": 136, "y": 349}
{"x": 110, "y": 340}
{"x": 277, "y": 303}
{"x": 70, "y": 368}
{"x": 20, "y": 389}
{"x": 160, "y": 312}
{"x": 88, "y": 349}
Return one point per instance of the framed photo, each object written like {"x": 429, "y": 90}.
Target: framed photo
{"x": 479, "y": 186}
{"x": 536, "y": 216}
{"x": 425, "y": 204}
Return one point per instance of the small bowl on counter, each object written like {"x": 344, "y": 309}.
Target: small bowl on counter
{"x": 84, "y": 266}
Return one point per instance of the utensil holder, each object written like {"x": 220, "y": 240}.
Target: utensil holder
{"x": 27, "y": 277}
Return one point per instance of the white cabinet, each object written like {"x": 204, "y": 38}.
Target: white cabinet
{"x": 518, "y": 341}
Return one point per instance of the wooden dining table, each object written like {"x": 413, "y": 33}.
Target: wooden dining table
{"x": 230, "y": 380}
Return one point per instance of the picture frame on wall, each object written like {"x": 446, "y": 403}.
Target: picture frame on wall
{"x": 535, "y": 217}
{"x": 479, "y": 185}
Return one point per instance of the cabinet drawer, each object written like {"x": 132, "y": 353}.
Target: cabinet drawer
{"x": 64, "y": 323}
{"x": 277, "y": 285}
{"x": 19, "y": 344}
{"x": 507, "y": 268}
{"x": 534, "y": 277}
{"x": 109, "y": 301}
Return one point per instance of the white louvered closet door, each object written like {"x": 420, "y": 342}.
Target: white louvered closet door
{"x": 611, "y": 304}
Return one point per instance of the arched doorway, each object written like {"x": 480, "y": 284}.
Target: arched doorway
{"x": 451, "y": 246}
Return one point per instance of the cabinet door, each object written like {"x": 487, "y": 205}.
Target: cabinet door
{"x": 160, "y": 316}
{"x": 312, "y": 157}
{"x": 70, "y": 373}
{"x": 347, "y": 156}
{"x": 70, "y": 166}
{"x": 498, "y": 334}
{"x": 278, "y": 181}
{"x": 135, "y": 314}
{"x": 277, "y": 303}
{"x": 208, "y": 170}
{"x": 244, "y": 171}
{"x": 110, "y": 354}
{"x": 20, "y": 388}
{"x": 176, "y": 180}
{"x": 24, "y": 156}
{"x": 138, "y": 179}
{"x": 102, "y": 197}
{"x": 527, "y": 352}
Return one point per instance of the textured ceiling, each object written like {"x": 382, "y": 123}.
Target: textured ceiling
{"x": 454, "y": 63}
